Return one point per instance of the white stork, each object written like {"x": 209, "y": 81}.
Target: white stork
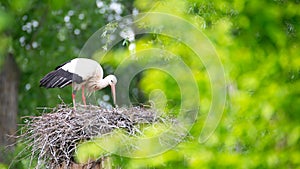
{"x": 81, "y": 73}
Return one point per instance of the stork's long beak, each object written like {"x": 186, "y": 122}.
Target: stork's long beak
{"x": 113, "y": 92}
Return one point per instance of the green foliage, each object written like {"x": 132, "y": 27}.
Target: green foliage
{"x": 256, "y": 45}
{"x": 88, "y": 151}
{"x": 257, "y": 42}
{"x": 3, "y": 166}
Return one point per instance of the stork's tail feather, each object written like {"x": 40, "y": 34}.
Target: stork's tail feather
{"x": 57, "y": 78}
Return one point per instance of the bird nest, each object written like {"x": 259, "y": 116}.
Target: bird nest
{"x": 52, "y": 138}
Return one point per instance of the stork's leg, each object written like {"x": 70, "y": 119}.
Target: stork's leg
{"x": 73, "y": 98}
{"x": 82, "y": 95}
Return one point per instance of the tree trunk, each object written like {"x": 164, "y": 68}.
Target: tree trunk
{"x": 9, "y": 83}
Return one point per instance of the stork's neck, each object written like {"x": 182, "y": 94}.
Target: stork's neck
{"x": 103, "y": 83}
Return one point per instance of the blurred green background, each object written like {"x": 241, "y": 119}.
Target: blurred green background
{"x": 257, "y": 42}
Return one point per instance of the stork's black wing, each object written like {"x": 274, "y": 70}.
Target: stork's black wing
{"x": 59, "y": 78}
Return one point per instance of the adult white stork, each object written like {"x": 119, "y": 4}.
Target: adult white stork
{"x": 81, "y": 73}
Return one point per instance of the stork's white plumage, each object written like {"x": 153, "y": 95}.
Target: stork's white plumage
{"x": 81, "y": 73}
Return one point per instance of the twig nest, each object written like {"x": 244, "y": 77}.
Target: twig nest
{"x": 52, "y": 138}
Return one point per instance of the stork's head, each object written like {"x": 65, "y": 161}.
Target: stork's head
{"x": 112, "y": 81}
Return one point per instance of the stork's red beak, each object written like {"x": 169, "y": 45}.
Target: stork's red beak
{"x": 113, "y": 92}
